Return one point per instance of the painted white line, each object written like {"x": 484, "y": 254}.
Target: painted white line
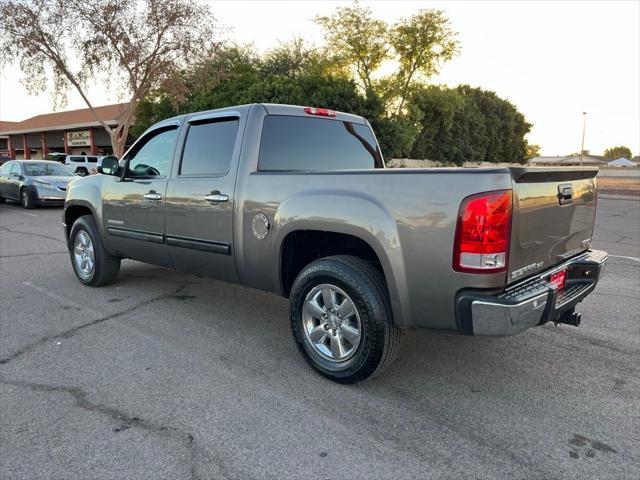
{"x": 31, "y": 214}
{"x": 635, "y": 259}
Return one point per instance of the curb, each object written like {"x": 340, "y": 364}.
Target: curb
{"x": 630, "y": 198}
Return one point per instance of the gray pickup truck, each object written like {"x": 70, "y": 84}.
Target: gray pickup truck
{"x": 296, "y": 201}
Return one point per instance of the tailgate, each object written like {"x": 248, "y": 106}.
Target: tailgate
{"x": 553, "y": 215}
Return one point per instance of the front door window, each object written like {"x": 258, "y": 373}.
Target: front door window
{"x": 153, "y": 157}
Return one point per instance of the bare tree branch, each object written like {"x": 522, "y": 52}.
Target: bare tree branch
{"x": 140, "y": 45}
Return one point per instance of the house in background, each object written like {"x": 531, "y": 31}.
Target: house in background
{"x": 74, "y": 132}
{"x": 4, "y": 139}
{"x": 622, "y": 162}
{"x": 569, "y": 161}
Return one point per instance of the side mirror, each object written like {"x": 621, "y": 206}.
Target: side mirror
{"x": 108, "y": 166}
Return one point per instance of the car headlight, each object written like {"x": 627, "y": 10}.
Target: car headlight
{"x": 41, "y": 184}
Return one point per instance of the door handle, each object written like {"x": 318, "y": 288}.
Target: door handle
{"x": 216, "y": 197}
{"x": 152, "y": 195}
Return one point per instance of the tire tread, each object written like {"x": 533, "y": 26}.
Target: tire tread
{"x": 107, "y": 265}
{"x": 366, "y": 277}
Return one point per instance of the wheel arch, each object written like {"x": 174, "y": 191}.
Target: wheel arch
{"x": 74, "y": 210}
{"x": 343, "y": 223}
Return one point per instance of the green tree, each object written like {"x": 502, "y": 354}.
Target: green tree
{"x": 422, "y": 43}
{"x": 360, "y": 43}
{"x": 468, "y": 124}
{"x": 615, "y": 153}
{"x": 296, "y": 58}
{"x": 532, "y": 149}
{"x": 353, "y": 37}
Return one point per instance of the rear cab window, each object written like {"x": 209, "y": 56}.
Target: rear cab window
{"x": 316, "y": 144}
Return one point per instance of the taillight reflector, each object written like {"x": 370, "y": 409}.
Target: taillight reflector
{"x": 321, "y": 112}
{"x": 482, "y": 233}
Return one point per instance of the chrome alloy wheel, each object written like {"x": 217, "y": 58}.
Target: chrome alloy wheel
{"x": 83, "y": 254}
{"x": 331, "y": 322}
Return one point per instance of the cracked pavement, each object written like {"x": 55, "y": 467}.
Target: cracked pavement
{"x": 166, "y": 375}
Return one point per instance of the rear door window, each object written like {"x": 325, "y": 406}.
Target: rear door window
{"x": 208, "y": 149}
{"x": 92, "y": 159}
{"x": 299, "y": 143}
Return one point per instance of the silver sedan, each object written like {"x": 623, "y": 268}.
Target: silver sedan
{"x": 34, "y": 182}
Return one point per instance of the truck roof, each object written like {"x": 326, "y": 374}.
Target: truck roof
{"x": 270, "y": 109}
{"x": 298, "y": 110}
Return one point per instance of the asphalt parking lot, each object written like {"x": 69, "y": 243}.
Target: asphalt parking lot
{"x": 165, "y": 375}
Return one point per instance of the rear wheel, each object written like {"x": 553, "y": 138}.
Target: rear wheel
{"x": 91, "y": 262}
{"x": 81, "y": 171}
{"x": 26, "y": 198}
{"x": 341, "y": 319}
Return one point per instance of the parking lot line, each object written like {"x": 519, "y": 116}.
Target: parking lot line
{"x": 635, "y": 259}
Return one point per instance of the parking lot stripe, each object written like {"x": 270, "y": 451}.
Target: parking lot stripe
{"x": 635, "y": 259}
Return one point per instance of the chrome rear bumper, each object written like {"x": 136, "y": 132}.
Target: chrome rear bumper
{"x": 531, "y": 302}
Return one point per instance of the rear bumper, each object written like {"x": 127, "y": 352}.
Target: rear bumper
{"x": 531, "y": 302}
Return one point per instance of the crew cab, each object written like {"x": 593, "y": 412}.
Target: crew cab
{"x": 297, "y": 201}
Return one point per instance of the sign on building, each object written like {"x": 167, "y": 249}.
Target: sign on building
{"x": 81, "y": 138}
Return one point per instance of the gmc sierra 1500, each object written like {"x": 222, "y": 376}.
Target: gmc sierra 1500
{"x": 296, "y": 201}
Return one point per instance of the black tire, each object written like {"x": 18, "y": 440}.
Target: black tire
{"x": 106, "y": 266}
{"x": 365, "y": 285}
{"x": 2, "y": 200}
{"x": 81, "y": 171}
{"x": 26, "y": 199}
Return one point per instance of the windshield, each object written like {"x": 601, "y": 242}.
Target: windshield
{"x": 41, "y": 169}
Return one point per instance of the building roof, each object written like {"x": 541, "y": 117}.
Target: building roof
{"x": 622, "y": 162}
{"x": 539, "y": 160}
{"x": 5, "y": 124}
{"x": 69, "y": 119}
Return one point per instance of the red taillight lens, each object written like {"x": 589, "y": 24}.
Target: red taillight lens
{"x": 321, "y": 112}
{"x": 482, "y": 234}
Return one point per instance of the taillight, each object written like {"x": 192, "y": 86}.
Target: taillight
{"x": 482, "y": 233}
{"x": 321, "y": 112}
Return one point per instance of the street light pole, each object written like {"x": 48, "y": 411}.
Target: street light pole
{"x": 584, "y": 126}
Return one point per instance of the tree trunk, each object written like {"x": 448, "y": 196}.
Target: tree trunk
{"x": 118, "y": 142}
{"x": 119, "y": 134}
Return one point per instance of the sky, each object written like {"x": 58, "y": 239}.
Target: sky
{"x": 552, "y": 59}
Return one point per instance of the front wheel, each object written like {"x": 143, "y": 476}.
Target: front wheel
{"x": 341, "y": 319}
{"x": 91, "y": 262}
{"x": 26, "y": 199}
